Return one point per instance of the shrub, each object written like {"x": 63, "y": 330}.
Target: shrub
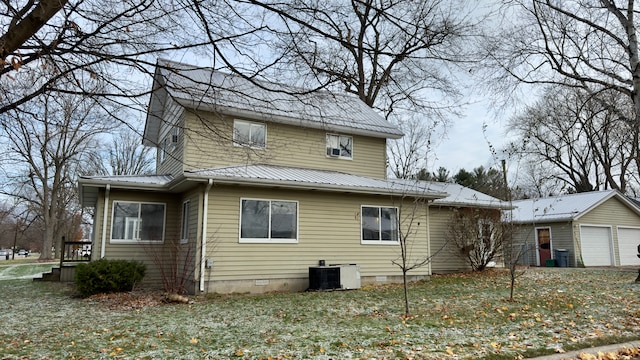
{"x": 105, "y": 276}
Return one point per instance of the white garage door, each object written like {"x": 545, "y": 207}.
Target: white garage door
{"x": 596, "y": 245}
{"x": 628, "y": 241}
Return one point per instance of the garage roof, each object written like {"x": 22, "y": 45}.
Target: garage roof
{"x": 564, "y": 207}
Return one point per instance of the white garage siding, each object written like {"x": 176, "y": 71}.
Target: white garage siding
{"x": 595, "y": 243}
{"x": 628, "y": 241}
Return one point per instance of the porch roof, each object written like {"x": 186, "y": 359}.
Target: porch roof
{"x": 89, "y": 185}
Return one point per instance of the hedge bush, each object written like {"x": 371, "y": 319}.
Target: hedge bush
{"x": 106, "y": 276}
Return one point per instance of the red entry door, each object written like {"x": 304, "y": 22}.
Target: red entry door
{"x": 543, "y": 236}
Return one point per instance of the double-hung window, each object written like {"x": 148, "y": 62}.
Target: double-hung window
{"x": 273, "y": 221}
{"x": 251, "y": 134}
{"x": 339, "y": 146}
{"x": 379, "y": 225}
{"x": 164, "y": 149}
{"x": 137, "y": 221}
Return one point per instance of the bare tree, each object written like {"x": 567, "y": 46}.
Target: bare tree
{"x": 408, "y": 224}
{"x": 477, "y": 236}
{"x": 589, "y": 44}
{"x": 580, "y": 138}
{"x": 412, "y": 151}
{"x": 124, "y": 154}
{"x": 83, "y": 41}
{"x": 44, "y": 144}
{"x": 393, "y": 55}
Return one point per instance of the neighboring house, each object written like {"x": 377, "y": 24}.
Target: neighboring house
{"x": 254, "y": 187}
{"x": 598, "y": 228}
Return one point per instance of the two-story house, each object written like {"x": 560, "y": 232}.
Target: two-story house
{"x": 258, "y": 182}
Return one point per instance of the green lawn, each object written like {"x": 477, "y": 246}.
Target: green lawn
{"x": 454, "y": 316}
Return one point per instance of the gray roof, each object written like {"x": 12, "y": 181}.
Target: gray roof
{"x": 207, "y": 89}
{"x": 459, "y": 195}
{"x": 302, "y": 178}
{"x": 564, "y": 207}
{"x": 445, "y": 194}
{"x": 90, "y": 185}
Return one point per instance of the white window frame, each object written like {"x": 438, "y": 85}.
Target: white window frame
{"x": 338, "y": 138}
{"x": 380, "y": 241}
{"x": 164, "y": 149}
{"x": 184, "y": 227}
{"x": 175, "y": 136}
{"x": 135, "y": 222}
{"x": 269, "y": 240}
{"x": 238, "y": 142}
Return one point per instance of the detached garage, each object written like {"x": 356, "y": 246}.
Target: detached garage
{"x": 628, "y": 240}
{"x": 598, "y": 228}
{"x": 597, "y": 249}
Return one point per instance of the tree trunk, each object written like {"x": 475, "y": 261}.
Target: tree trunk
{"x": 406, "y": 293}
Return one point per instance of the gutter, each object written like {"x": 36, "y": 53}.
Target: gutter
{"x": 103, "y": 244}
{"x": 203, "y": 249}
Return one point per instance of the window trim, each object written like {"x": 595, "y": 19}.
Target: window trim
{"x": 339, "y": 136}
{"x": 236, "y": 141}
{"x": 184, "y": 225}
{"x": 164, "y": 149}
{"x": 137, "y": 241}
{"x": 380, "y": 241}
{"x": 269, "y": 240}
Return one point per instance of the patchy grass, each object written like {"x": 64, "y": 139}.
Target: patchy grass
{"x": 454, "y": 316}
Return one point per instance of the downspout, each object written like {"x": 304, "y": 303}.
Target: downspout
{"x": 428, "y": 238}
{"x": 203, "y": 249}
{"x": 105, "y": 208}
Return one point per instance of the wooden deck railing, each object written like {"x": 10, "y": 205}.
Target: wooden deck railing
{"x": 76, "y": 251}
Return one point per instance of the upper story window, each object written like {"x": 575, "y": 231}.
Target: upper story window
{"x": 379, "y": 225}
{"x": 251, "y": 134}
{"x": 339, "y": 146}
{"x": 137, "y": 221}
{"x": 164, "y": 149}
{"x": 274, "y": 221}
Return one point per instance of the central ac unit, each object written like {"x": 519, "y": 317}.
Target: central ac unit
{"x": 341, "y": 276}
{"x": 350, "y": 276}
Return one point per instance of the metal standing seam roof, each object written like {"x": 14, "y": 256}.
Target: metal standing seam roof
{"x": 274, "y": 175}
{"x": 561, "y": 208}
{"x": 89, "y": 185}
{"x": 199, "y": 87}
{"x": 459, "y": 195}
{"x": 446, "y": 194}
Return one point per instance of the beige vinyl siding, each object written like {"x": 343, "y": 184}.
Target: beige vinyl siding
{"x": 209, "y": 144}
{"x": 612, "y": 213}
{"x": 446, "y": 257}
{"x": 150, "y": 254}
{"x": 328, "y": 229}
{"x": 173, "y": 163}
{"x": 190, "y": 250}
